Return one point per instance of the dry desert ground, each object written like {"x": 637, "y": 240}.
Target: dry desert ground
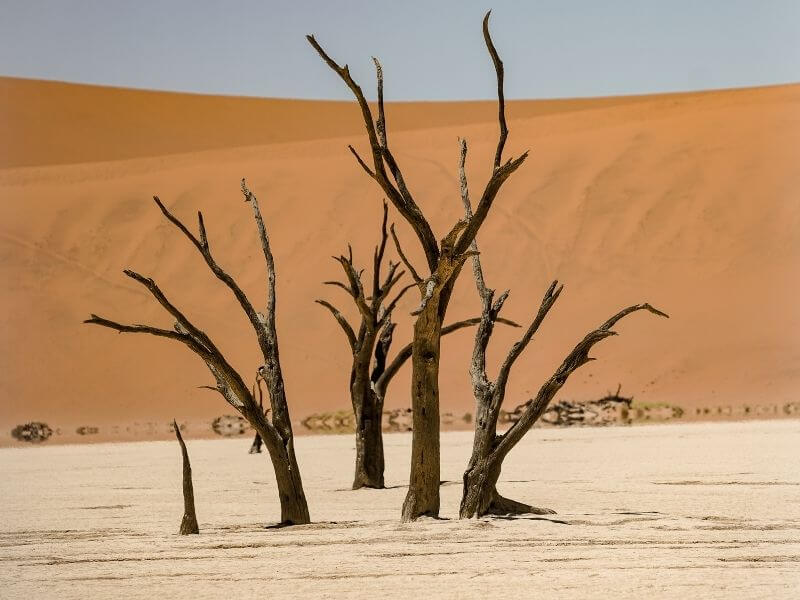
{"x": 703, "y": 510}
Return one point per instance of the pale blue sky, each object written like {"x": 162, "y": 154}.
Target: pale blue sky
{"x": 430, "y": 50}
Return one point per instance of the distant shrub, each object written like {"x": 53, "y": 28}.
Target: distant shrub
{"x": 33, "y": 432}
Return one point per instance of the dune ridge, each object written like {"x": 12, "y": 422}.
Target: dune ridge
{"x": 115, "y": 123}
{"x": 685, "y": 201}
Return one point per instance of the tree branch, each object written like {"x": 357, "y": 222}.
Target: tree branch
{"x": 348, "y": 330}
{"x": 405, "y": 352}
{"x": 477, "y": 270}
{"x": 391, "y": 306}
{"x": 430, "y": 286}
{"x": 550, "y": 297}
{"x": 386, "y": 288}
{"x": 361, "y": 162}
{"x": 382, "y": 350}
{"x": 357, "y": 288}
{"x": 268, "y": 258}
{"x": 578, "y": 357}
{"x": 381, "y": 156}
{"x": 174, "y": 335}
{"x": 501, "y": 104}
{"x": 500, "y": 172}
{"x": 219, "y": 273}
{"x": 414, "y": 275}
{"x": 339, "y": 284}
{"x": 489, "y": 194}
{"x": 380, "y": 125}
{"x": 379, "y": 252}
{"x": 229, "y": 383}
{"x": 199, "y": 336}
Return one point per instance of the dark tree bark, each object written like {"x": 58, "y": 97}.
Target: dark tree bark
{"x": 375, "y": 310}
{"x": 276, "y": 432}
{"x": 255, "y": 447}
{"x": 444, "y": 260}
{"x": 370, "y": 371}
{"x": 480, "y": 496}
{"x": 189, "y": 521}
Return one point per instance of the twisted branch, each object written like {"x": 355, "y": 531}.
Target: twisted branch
{"x": 348, "y": 330}
{"x": 382, "y": 157}
{"x": 578, "y": 357}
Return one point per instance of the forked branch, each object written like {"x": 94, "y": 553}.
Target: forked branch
{"x": 414, "y": 275}
{"x": 578, "y": 357}
{"x": 397, "y": 192}
{"x": 340, "y": 318}
{"x": 501, "y": 171}
{"x": 405, "y": 352}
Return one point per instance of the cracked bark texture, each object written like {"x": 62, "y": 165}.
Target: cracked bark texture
{"x": 444, "y": 261}
{"x": 276, "y": 432}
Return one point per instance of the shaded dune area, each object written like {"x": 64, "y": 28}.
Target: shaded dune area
{"x": 686, "y": 201}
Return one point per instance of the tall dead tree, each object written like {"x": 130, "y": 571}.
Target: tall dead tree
{"x": 189, "y": 521}
{"x": 371, "y": 371}
{"x": 480, "y": 496}
{"x": 444, "y": 260}
{"x": 275, "y": 431}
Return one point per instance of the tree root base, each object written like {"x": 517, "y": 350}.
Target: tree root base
{"x": 189, "y": 526}
{"x": 501, "y": 507}
{"x": 369, "y": 486}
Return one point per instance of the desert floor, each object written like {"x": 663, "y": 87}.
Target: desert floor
{"x": 694, "y": 510}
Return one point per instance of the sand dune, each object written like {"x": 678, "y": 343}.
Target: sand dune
{"x": 685, "y": 201}
{"x": 85, "y": 123}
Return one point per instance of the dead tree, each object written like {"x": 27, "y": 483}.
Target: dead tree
{"x": 277, "y": 431}
{"x": 370, "y": 373}
{"x": 480, "y": 496}
{"x": 255, "y": 447}
{"x": 189, "y": 521}
{"x": 444, "y": 260}
{"x": 373, "y": 338}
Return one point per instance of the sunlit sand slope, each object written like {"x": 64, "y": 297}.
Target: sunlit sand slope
{"x": 688, "y": 202}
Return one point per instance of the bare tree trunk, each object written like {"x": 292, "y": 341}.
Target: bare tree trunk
{"x": 370, "y": 373}
{"x": 372, "y": 340}
{"x": 255, "y": 448}
{"x": 444, "y": 261}
{"x": 369, "y": 445}
{"x": 367, "y": 411}
{"x": 480, "y": 496}
{"x": 276, "y": 432}
{"x": 189, "y": 521}
{"x": 423, "y": 488}
{"x": 294, "y": 508}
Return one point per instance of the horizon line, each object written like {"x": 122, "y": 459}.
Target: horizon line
{"x": 402, "y": 101}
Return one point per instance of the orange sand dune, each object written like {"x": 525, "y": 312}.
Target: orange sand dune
{"x": 685, "y": 201}
{"x": 85, "y": 123}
